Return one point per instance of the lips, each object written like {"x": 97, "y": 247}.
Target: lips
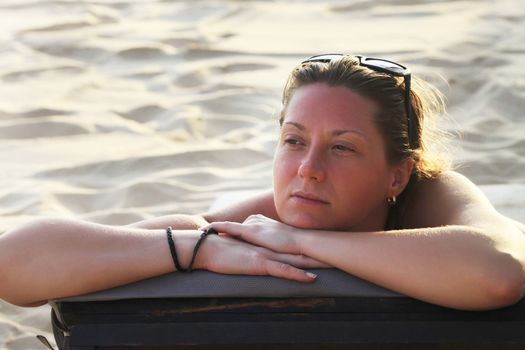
{"x": 308, "y": 197}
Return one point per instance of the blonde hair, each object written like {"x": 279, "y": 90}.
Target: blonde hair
{"x": 429, "y": 155}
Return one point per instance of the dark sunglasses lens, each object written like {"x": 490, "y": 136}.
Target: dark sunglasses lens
{"x": 385, "y": 65}
{"x": 323, "y": 58}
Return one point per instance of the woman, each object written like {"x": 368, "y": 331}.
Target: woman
{"x": 355, "y": 187}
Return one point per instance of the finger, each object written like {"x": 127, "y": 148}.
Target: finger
{"x": 297, "y": 260}
{"x": 257, "y": 218}
{"x": 231, "y": 228}
{"x": 300, "y": 261}
{"x": 240, "y": 231}
{"x": 307, "y": 262}
{"x": 283, "y": 270}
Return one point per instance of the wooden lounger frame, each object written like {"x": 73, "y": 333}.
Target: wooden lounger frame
{"x": 308, "y": 322}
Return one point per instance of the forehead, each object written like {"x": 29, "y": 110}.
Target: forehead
{"x": 331, "y": 106}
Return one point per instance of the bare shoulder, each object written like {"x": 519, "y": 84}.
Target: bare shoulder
{"x": 261, "y": 203}
{"x": 451, "y": 199}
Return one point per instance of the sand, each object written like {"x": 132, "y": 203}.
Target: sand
{"x": 120, "y": 110}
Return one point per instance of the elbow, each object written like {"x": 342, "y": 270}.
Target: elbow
{"x": 507, "y": 287}
{"x": 24, "y": 303}
{"x": 507, "y": 292}
{"x": 17, "y": 301}
{"x": 7, "y": 292}
{"x": 5, "y": 280}
{"x": 10, "y": 290}
{"x": 8, "y": 286}
{"x": 12, "y": 259}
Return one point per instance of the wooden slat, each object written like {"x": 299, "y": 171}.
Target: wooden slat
{"x": 291, "y": 321}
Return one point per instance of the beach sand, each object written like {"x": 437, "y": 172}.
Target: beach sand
{"x": 118, "y": 110}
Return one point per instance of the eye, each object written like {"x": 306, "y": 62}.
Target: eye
{"x": 343, "y": 148}
{"x": 292, "y": 141}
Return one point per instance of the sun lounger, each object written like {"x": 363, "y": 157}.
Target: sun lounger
{"x": 232, "y": 312}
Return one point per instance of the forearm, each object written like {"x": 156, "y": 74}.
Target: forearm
{"x": 454, "y": 266}
{"x": 54, "y": 258}
{"x": 177, "y": 222}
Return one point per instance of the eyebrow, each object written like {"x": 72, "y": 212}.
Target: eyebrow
{"x": 336, "y": 132}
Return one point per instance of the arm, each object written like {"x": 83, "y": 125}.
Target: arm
{"x": 53, "y": 258}
{"x": 453, "y": 266}
{"x": 176, "y": 221}
{"x": 459, "y": 252}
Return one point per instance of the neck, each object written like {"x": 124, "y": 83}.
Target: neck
{"x": 376, "y": 221}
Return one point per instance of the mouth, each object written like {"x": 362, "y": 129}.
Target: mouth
{"x": 309, "y": 198}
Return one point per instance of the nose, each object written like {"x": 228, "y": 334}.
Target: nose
{"x": 312, "y": 168}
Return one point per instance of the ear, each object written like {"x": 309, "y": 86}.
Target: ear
{"x": 399, "y": 176}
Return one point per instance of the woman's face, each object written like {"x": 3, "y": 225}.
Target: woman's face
{"x": 330, "y": 169}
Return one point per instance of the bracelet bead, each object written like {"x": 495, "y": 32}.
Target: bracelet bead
{"x": 204, "y": 234}
{"x": 173, "y": 251}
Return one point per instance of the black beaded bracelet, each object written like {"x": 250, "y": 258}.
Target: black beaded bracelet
{"x": 171, "y": 243}
{"x": 204, "y": 234}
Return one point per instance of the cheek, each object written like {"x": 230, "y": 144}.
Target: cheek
{"x": 281, "y": 170}
{"x": 362, "y": 184}
{"x": 283, "y": 174}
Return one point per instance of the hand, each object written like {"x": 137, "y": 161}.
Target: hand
{"x": 262, "y": 231}
{"x": 228, "y": 255}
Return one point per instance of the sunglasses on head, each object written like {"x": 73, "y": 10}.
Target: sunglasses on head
{"x": 383, "y": 66}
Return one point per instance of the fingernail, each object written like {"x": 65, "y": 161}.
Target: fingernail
{"x": 311, "y": 275}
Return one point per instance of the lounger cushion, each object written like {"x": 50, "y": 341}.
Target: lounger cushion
{"x": 202, "y": 284}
